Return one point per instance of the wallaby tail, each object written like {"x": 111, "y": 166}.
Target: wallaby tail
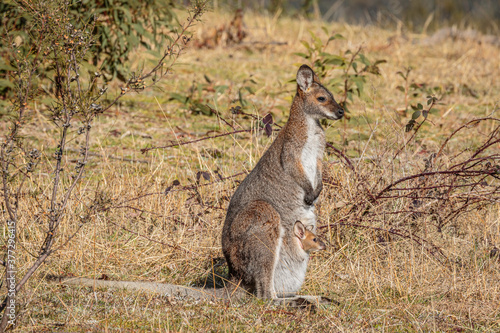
{"x": 165, "y": 289}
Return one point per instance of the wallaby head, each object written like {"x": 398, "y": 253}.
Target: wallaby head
{"x": 318, "y": 102}
{"x": 308, "y": 240}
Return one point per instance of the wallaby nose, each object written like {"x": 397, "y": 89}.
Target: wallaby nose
{"x": 340, "y": 112}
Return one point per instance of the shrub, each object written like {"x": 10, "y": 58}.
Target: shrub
{"x": 118, "y": 27}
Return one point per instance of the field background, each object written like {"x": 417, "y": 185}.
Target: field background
{"x": 146, "y": 235}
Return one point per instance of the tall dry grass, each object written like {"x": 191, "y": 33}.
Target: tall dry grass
{"x": 383, "y": 282}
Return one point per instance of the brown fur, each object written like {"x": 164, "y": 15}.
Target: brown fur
{"x": 279, "y": 189}
{"x": 309, "y": 241}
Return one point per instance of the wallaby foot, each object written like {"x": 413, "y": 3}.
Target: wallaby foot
{"x": 304, "y": 301}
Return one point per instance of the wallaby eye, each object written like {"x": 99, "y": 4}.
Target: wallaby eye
{"x": 314, "y": 240}
{"x": 321, "y": 99}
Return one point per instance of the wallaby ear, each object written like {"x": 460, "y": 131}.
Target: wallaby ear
{"x": 305, "y": 77}
{"x": 300, "y": 230}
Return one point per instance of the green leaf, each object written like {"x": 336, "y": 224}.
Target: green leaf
{"x": 400, "y": 88}
{"x": 420, "y": 106}
{"x": 359, "y": 81}
{"x": 221, "y": 89}
{"x": 199, "y": 89}
{"x": 333, "y": 59}
{"x": 6, "y": 67}
{"x": 178, "y": 97}
{"x": 318, "y": 44}
{"x": 203, "y": 108}
{"x": 415, "y": 115}
{"x": 243, "y": 101}
{"x": 363, "y": 59}
{"x": 126, "y": 12}
{"x": 138, "y": 28}
{"x": 250, "y": 90}
{"x": 302, "y": 55}
{"x": 132, "y": 41}
{"x": 306, "y": 45}
{"x": 6, "y": 84}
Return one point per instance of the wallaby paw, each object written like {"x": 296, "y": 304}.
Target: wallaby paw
{"x": 309, "y": 200}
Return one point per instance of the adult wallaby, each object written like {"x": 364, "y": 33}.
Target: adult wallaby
{"x": 258, "y": 238}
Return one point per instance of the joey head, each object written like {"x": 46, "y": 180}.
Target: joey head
{"x": 308, "y": 240}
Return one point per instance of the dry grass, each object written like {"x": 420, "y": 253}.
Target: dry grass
{"x": 390, "y": 286}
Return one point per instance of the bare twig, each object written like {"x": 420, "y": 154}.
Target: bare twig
{"x": 144, "y": 150}
{"x": 440, "y": 193}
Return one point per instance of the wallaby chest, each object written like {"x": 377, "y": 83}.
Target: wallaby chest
{"x": 312, "y": 150}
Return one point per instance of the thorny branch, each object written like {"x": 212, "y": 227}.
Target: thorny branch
{"x": 435, "y": 196}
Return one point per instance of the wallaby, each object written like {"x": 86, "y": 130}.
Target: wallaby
{"x": 258, "y": 237}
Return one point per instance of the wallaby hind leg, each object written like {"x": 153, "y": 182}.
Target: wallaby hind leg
{"x": 251, "y": 247}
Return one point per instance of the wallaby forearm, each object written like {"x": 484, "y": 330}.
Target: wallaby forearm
{"x": 293, "y": 166}
{"x": 319, "y": 179}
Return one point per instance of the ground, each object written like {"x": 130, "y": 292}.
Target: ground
{"x": 382, "y": 282}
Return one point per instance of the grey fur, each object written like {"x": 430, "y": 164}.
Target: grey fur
{"x": 186, "y": 293}
{"x": 258, "y": 240}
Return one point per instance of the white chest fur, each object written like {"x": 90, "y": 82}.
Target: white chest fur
{"x": 290, "y": 271}
{"x": 311, "y": 151}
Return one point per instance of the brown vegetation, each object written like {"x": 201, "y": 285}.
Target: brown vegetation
{"x": 224, "y": 35}
{"x": 411, "y": 218}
